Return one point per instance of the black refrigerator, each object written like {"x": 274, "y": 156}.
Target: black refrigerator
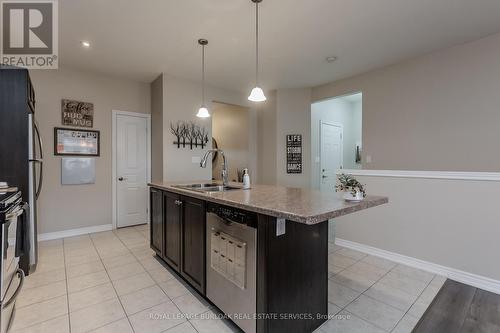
{"x": 21, "y": 150}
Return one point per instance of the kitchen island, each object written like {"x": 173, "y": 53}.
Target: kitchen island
{"x": 282, "y": 273}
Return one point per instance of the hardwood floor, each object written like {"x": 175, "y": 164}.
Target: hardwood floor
{"x": 463, "y": 309}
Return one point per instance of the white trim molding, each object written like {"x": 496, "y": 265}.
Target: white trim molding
{"x": 115, "y": 113}
{"x": 474, "y": 280}
{"x": 74, "y": 232}
{"x": 454, "y": 175}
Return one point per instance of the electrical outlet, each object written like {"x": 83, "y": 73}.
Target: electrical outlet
{"x": 280, "y": 227}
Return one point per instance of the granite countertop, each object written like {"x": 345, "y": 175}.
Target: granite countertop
{"x": 295, "y": 204}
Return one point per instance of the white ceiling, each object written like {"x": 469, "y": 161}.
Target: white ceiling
{"x": 139, "y": 39}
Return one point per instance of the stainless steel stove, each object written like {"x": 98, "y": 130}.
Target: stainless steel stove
{"x": 13, "y": 215}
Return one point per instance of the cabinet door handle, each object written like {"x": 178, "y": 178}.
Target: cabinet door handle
{"x": 178, "y": 202}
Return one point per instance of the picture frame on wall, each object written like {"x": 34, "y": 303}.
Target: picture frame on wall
{"x": 77, "y": 113}
{"x": 294, "y": 153}
{"x": 76, "y": 142}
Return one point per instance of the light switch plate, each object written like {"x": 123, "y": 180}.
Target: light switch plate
{"x": 280, "y": 227}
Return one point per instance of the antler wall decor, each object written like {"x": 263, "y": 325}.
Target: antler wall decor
{"x": 189, "y": 133}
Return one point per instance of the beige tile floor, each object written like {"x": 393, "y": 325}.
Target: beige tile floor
{"x": 111, "y": 282}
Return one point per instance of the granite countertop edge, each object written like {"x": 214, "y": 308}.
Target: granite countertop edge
{"x": 368, "y": 202}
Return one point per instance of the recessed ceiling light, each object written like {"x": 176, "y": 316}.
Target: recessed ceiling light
{"x": 331, "y": 59}
{"x": 85, "y": 43}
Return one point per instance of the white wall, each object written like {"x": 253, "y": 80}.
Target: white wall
{"x": 77, "y": 206}
{"x": 338, "y": 111}
{"x": 357, "y": 119}
{"x": 181, "y": 101}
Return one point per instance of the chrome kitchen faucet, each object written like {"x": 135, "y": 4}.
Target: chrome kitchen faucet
{"x": 203, "y": 164}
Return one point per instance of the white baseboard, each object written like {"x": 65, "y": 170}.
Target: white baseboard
{"x": 74, "y": 232}
{"x": 474, "y": 280}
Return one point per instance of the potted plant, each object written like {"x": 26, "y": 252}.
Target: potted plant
{"x": 352, "y": 188}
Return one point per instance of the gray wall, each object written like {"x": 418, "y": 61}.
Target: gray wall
{"x": 181, "y": 101}
{"x": 266, "y": 141}
{"x": 448, "y": 222}
{"x": 436, "y": 112}
{"x": 77, "y": 206}
{"x": 293, "y": 117}
{"x": 157, "y": 129}
{"x": 231, "y": 129}
{"x": 338, "y": 111}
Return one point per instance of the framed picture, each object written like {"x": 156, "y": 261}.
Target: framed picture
{"x": 76, "y": 142}
{"x": 294, "y": 153}
{"x": 76, "y": 113}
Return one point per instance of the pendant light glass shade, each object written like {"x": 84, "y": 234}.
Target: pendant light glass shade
{"x": 203, "y": 113}
{"x": 257, "y": 95}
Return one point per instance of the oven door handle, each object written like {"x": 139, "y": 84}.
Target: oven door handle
{"x": 20, "y": 273}
{"x": 11, "y": 320}
{"x": 14, "y": 214}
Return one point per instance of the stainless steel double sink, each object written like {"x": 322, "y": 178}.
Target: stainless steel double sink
{"x": 207, "y": 187}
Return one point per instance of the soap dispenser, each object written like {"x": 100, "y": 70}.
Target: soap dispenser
{"x": 246, "y": 179}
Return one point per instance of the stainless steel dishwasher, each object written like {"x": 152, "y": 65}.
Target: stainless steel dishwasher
{"x": 231, "y": 263}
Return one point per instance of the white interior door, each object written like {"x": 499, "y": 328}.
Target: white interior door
{"x": 330, "y": 154}
{"x": 131, "y": 170}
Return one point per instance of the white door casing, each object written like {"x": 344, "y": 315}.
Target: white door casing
{"x": 331, "y": 154}
{"x": 131, "y": 156}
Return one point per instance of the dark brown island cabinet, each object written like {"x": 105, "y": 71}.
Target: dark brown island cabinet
{"x": 178, "y": 234}
{"x": 292, "y": 269}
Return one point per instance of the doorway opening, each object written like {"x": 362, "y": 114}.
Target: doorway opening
{"x": 336, "y": 138}
{"x": 234, "y": 131}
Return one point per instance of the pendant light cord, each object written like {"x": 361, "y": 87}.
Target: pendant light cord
{"x": 203, "y": 75}
{"x": 256, "y": 44}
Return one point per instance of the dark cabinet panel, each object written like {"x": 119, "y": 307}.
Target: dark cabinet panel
{"x": 172, "y": 234}
{"x": 193, "y": 242}
{"x": 156, "y": 229}
{"x": 292, "y": 275}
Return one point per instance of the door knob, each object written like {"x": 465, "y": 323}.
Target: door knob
{"x": 121, "y": 179}
{"x": 324, "y": 176}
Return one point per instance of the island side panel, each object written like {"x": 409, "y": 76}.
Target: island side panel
{"x": 292, "y": 276}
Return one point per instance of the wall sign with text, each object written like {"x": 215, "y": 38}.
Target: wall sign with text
{"x": 76, "y": 142}
{"x": 75, "y": 113}
{"x": 294, "y": 153}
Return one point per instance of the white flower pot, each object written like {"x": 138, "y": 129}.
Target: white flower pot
{"x": 348, "y": 196}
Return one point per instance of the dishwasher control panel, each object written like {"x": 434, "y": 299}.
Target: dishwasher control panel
{"x": 231, "y": 214}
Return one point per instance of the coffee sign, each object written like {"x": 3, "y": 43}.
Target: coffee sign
{"x": 75, "y": 113}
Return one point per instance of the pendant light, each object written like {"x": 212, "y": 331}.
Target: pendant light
{"x": 203, "y": 111}
{"x": 257, "y": 95}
